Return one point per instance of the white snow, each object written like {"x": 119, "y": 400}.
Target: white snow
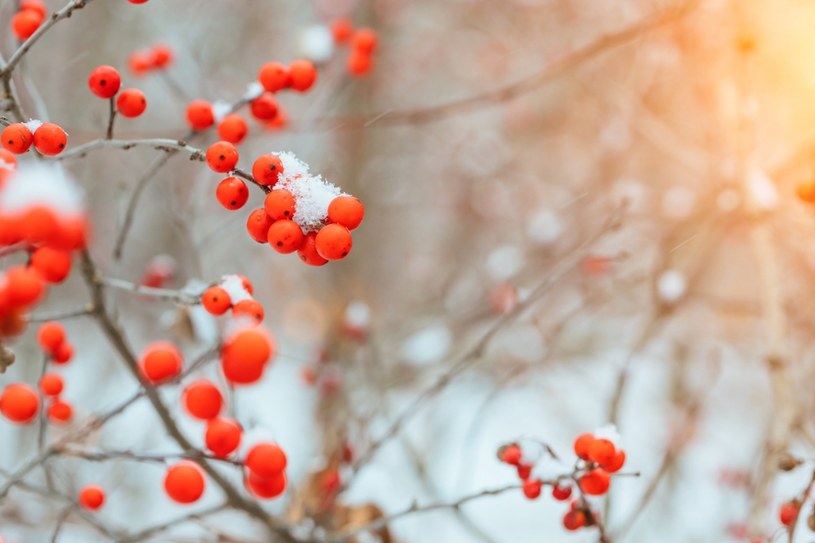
{"x": 317, "y": 43}
{"x": 233, "y": 285}
{"x": 42, "y": 184}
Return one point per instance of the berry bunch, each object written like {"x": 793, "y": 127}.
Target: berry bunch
{"x": 157, "y": 57}
{"x": 48, "y": 138}
{"x": 29, "y": 17}
{"x": 362, "y": 42}
{"x": 233, "y": 292}
{"x": 105, "y": 82}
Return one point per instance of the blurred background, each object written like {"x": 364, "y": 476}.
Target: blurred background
{"x": 625, "y": 170}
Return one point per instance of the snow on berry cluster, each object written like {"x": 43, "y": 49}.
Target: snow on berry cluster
{"x": 233, "y": 292}
{"x": 41, "y": 213}
{"x": 598, "y": 456}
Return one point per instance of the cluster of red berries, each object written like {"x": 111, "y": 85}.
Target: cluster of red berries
{"x": 233, "y": 292}
{"x": 362, "y": 42}
{"x": 157, "y": 57}
{"x": 28, "y": 18}
{"x": 105, "y": 82}
{"x": 48, "y": 138}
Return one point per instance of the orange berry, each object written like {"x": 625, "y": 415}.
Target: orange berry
{"x": 232, "y": 128}
{"x": 303, "y": 75}
{"x": 25, "y": 23}
{"x": 615, "y": 464}
{"x": 216, "y": 300}
{"x": 222, "y": 436}
{"x": 267, "y": 169}
{"x": 341, "y": 30}
{"x": 364, "y": 40}
{"x": 51, "y": 384}
{"x": 273, "y": 76}
{"x": 131, "y": 103}
{"x": 264, "y": 107}
{"x": 72, "y": 235}
{"x": 595, "y": 482}
{"x": 50, "y": 336}
{"x": 36, "y": 5}
{"x": 511, "y": 454}
{"x": 574, "y": 519}
{"x": 347, "y": 211}
{"x": 602, "y": 451}
{"x": 92, "y": 497}
{"x": 279, "y": 204}
{"x": 50, "y": 139}
{"x": 63, "y": 354}
{"x": 308, "y": 252}
{"x": 333, "y": 242}
{"x": 532, "y": 488}
{"x": 582, "y": 445}
{"x": 249, "y": 308}
{"x": 39, "y": 224}
{"x": 359, "y": 63}
{"x": 162, "y": 55}
{"x": 202, "y": 399}
{"x": 19, "y": 403}
{"x": 232, "y": 193}
{"x": 25, "y": 286}
{"x": 266, "y": 459}
{"x": 244, "y": 355}
{"x": 257, "y": 224}
{"x": 788, "y": 513}
{"x": 184, "y": 482}
{"x": 266, "y": 487}
{"x": 105, "y": 81}
{"x": 200, "y": 115}
{"x": 285, "y": 236}
{"x": 53, "y": 265}
{"x": 17, "y": 138}
{"x": 60, "y": 411}
{"x": 160, "y": 361}
{"x": 139, "y": 62}
{"x": 222, "y": 156}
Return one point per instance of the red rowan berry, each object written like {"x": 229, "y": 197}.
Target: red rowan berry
{"x": 788, "y": 513}
{"x": 303, "y": 75}
{"x": 162, "y": 55}
{"x": 582, "y": 445}
{"x": 25, "y": 286}
{"x": 364, "y": 40}
{"x": 53, "y": 265}
{"x": 264, "y": 107}
{"x": 222, "y": 436}
{"x": 510, "y": 454}
{"x": 333, "y": 242}
{"x": 279, "y": 204}
{"x": 561, "y": 493}
{"x": 200, "y": 115}
{"x": 574, "y": 519}
{"x": 595, "y": 482}
{"x": 347, "y": 211}
{"x": 216, "y": 300}
{"x": 36, "y": 5}
{"x": 257, "y": 224}
{"x": 266, "y": 487}
{"x": 285, "y": 236}
{"x": 92, "y": 497}
{"x": 139, "y": 62}
{"x": 131, "y": 103}
{"x": 19, "y": 403}
{"x": 202, "y": 399}
{"x": 532, "y": 488}
{"x": 17, "y": 138}
{"x": 39, "y": 224}
{"x": 50, "y": 336}
{"x": 25, "y": 23}
{"x": 249, "y": 308}
{"x": 222, "y": 156}
{"x": 72, "y": 235}
{"x": 50, "y": 139}
{"x": 232, "y": 128}
{"x": 265, "y": 459}
{"x": 602, "y": 451}
{"x": 308, "y": 252}
{"x": 160, "y": 361}
{"x": 184, "y": 482}
{"x": 63, "y": 354}
{"x": 524, "y": 471}
{"x": 105, "y": 81}
{"x": 341, "y": 30}
{"x": 359, "y": 63}
{"x": 51, "y": 384}
{"x": 232, "y": 193}
{"x": 274, "y": 76}
{"x": 616, "y": 463}
{"x": 267, "y": 169}
{"x": 244, "y": 355}
{"x": 60, "y": 411}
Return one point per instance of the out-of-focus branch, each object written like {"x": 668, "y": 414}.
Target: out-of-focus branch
{"x": 179, "y": 296}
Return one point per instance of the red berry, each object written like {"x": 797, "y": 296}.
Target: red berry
{"x": 266, "y": 460}
{"x": 139, "y": 62}
{"x": 279, "y": 204}
{"x": 264, "y": 107}
{"x": 232, "y": 193}
{"x": 285, "y": 236}
{"x": 50, "y": 139}
{"x": 92, "y": 497}
{"x": 347, "y": 211}
{"x": 561, "y": 493}
{"x": 17, "y": 138}
{"x": 184, "y": 482}
{"x": 232, "y": 128}
{"x": 308, "y": 252}
{"x": 267, "y": 169}
{"x": 60, "y": 411}
{"x": 200, "y": 115}
{"x": 25, "y": 286}
{"x": 788, "y": 513}
{"x": 359, "y": 63}
{"x": 222, "y": 156}
{"x": 574, "y": 520}
{"x": 257, "y": 224}
{"x": 524, "y": 471}
{"x": 222, "y": 436}
{"x": 216, "y": 300}
{"x": 19, "y": 403}
{"x": 602, "y": 451}
{"x": 266, "y": 487}
{"x": 131, "y": 103}
{"x": 595, "y": 482}
{"x": 105, "y": 81}
{"x": 160, "y": 361}
{"x": 244, "y": 356}
{"x": 616, "y": 463}
{"x": 202, "y": 399}
{"x": 341, "y": 30}
{"x": 532, "y": 488}
{"x": 53, "y": 265}
{"x": 303, "y": 75}
{"x": 50, "y": 336}
{"x": 333, "y": 242}
{"x": 510, "y": 454}
{"x": 63, "y": 354}
{"x": 582, "y": 445}
{"x": 162, "y": 55}
{"x": 36, "y": 5}
{"x": 25, "y": 23}
{"x": 364, "y": 40}
{"x": 273, "y": 76}
{"x": 51, "y": 384}
{"x": 248, "y": 308}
